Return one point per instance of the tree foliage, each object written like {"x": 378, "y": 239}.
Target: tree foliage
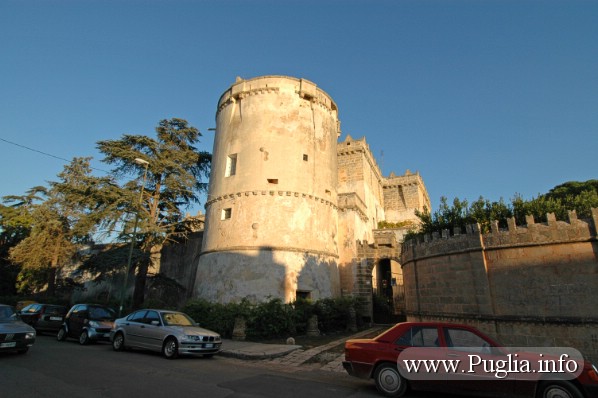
{"x": 169, "y": 180}
{"x": 56, "y": 223}
{"x": 43, "y": 229}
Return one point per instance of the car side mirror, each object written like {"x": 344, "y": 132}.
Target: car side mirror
{"x": 155, "y": 323}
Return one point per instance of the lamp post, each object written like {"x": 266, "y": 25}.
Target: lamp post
{"x": 133, "y": 237}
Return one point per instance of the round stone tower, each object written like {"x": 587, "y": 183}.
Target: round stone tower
{"x": 271, "y": 214}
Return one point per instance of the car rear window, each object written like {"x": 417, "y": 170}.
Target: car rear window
{"x": 418, "y": 336}
{"x": 101, "y": 313}
{"x": 55, "y": 309}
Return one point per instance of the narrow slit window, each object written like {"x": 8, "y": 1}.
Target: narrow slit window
{"x": 272, "y": 180}
{"x": 226, "y": 213}
{"x": 305, "y": 157}
{"x": 231, "y": 165}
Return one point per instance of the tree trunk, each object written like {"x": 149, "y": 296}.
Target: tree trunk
{"x": 140, "y": 279}
{"x": 50, "y": 292}
{"x": 142, "y": 271}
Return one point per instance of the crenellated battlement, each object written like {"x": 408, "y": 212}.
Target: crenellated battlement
{"x": 531, "y": 234}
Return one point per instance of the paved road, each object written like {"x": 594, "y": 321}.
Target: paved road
{"x": 66, "y": 369}
{"x": 53, "y": 369}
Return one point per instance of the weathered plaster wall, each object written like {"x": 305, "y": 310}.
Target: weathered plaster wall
{"x": 260, "y": 274}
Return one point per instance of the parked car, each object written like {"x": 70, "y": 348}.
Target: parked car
{"x": 172, "y": 333}
{"x": 386, "y": 359}
{"x": 15, "y": 335}
{"x": 88, "y": 323}
{"x": 23, "y": 303}
{"x": 44, "y": 317}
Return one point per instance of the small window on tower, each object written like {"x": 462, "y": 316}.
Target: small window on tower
{"x": 272, "y": 180}
{"x": 305, "y": 157}
{"x": 226, "y": 213}
{"x": 231, "y": 165}
{"x": 303, "y": 294}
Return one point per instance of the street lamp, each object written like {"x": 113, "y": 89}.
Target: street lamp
{"x": 133, "y": 238}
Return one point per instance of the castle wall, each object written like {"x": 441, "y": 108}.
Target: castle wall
{"x": 176, "y": 257}
{"x": 360, "y": 209}
{"x": 531, "y": 285}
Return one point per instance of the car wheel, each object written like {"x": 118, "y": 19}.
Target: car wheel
{"x": 84, "y": 338}
{"x": 389, "y": 381}
{"x": 61, "y": 336}
{"x": 118, "y": 343}
{"x": 170, "y": 348}
{"x": 23, "y": 350}
{"x": 558, "y": 389}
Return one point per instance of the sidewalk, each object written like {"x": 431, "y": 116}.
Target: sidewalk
{"x": 290, "y": 355}
{"x": 252, "y": 350}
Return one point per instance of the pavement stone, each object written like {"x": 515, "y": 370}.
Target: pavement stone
{"x": 291, "y": 355}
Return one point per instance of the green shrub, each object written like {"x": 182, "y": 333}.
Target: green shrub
{"x": 274, "y": 318}
{"x": 270, "y": 319}
{"x": 215, "y": 316}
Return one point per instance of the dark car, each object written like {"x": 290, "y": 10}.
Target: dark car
{"x": 172, "y": 333}
{"x": 15, "y": 335}
{"x": 454, "y": 358}
{"x": 87, "y": 323}
{"x": 44, "y": 317}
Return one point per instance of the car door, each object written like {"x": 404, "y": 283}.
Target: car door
{"x": 132, "y": 328}
{"x": 418, "y": 348}
{"x": 482, "y": 364}
{"x": 152, "y": 331}
{"x": 77, "y": 320}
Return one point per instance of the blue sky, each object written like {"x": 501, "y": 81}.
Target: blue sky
{"x": 487, "y": 98}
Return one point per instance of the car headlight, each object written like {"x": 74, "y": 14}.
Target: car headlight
{"x": 93, "y": 324}
{"x": 190, "y": 337}
{"x": 30, "y": 335}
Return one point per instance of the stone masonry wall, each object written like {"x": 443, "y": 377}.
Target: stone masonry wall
{"x": 176, "y": 258}
{"x": 532, "y": 285}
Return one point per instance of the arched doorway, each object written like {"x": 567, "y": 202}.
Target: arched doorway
{"x": 387, "y": 291}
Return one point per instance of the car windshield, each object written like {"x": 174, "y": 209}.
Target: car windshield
{"x": 6, "y": 314}
{"x": 100, "y": 313}
{"x": 176, "y": 319}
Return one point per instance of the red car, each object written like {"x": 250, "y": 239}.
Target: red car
{"x": 459, "y": 359}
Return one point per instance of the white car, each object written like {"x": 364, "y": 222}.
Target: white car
{"x": 172, "y": 333}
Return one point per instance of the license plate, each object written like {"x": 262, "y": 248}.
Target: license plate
{"x": 209, "y": 345}
{"x": 6, "y": 345}
{"x": 56, "y": 318}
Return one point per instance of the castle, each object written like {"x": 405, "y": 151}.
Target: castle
{"x": 291, "y": 210}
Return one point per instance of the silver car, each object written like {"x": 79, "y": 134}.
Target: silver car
{"x": 172, "y": 333}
